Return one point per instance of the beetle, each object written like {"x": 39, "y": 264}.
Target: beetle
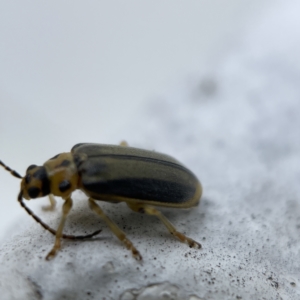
{"x": 142, "y": 179}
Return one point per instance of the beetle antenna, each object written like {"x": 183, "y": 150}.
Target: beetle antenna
{"x": 47, "y": 227}
{"x": 12, "y": 172}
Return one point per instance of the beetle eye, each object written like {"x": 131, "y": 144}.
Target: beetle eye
{"x": 33, "y": 192}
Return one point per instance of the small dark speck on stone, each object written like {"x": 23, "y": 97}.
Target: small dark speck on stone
{"x": 293, "y": 284}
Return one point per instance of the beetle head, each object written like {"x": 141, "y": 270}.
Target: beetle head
{"x": 35, "y": 183}
{"x": 62, "y": 174}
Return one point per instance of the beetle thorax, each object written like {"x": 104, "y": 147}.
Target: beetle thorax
{"x": 62, "y": 173}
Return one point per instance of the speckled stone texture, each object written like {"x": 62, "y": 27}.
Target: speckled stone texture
{"x": 238, "y": 128}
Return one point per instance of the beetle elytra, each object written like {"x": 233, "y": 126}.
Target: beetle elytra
{"x": 142, "y": 179}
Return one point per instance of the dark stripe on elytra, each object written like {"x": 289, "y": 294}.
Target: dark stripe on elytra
{"x": 143, "y": 189}
{"x": 146, "y": 159}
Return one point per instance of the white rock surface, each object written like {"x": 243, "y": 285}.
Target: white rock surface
{"x": 237, "y": 127}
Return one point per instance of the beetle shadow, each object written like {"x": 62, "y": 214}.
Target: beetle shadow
{"x": 83, "y": 221}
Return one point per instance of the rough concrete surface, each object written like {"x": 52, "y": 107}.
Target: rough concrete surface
{"x": 237, "y": 127}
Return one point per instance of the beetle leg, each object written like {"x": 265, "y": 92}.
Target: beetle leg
{"x": 66, "y": 208}
{"x": 115, "y": 229}
{"x": 52, "y": 205}
{"x": 124, "y": 144}
{"x": 154, "y": 212}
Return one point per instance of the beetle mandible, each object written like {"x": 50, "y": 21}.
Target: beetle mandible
{"x": 142, "y": 179}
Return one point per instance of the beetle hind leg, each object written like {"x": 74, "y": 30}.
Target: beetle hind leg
{"x": 115, "y": 229}
{"x": 154, "y": 212}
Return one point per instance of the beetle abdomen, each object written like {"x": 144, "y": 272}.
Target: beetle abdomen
{"x": 130, "y": 174}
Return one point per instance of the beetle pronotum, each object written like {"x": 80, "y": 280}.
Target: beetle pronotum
{"x": 143, "y": 179}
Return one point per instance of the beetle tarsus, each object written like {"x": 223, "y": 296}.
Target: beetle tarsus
{"x": 51, "y": 254}
{"x": 136, "y": 254}
{"x": 54, "y": 250}
{"x": 194, "y": 244}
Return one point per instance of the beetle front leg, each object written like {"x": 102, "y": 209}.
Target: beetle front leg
{"x": 66, "y": 209}
{"x": 52, "y": 205}
{"x": 115, "y": 229}
{"x": 154, "y": 212}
